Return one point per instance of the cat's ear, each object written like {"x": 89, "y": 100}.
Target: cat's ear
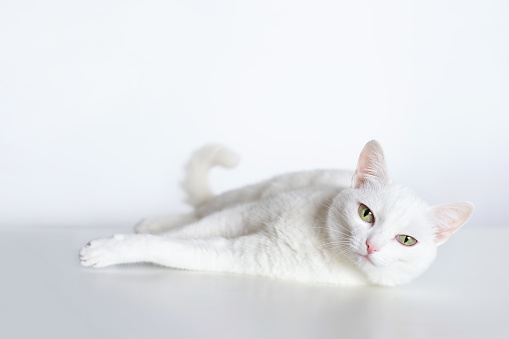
{"x": 449, "y": 218}
{"x": 371, "y": 165}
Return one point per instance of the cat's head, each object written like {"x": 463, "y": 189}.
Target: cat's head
{"x": 385, "y": 229}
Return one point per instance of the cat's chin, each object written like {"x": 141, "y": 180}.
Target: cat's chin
{"x": 375, "y": 272}
{"x": 365, "y": 262}
{"x": 390, "y": 273}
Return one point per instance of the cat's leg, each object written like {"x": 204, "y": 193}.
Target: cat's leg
{"x": 164, "y": 223}
{"x": 215, "y": 254}
{"x": 252, "y": 254}
{"x": 228, "y": 223}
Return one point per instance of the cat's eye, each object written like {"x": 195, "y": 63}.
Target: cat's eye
{"x": 406, "y": 240}
{"x": 366, "y": 214}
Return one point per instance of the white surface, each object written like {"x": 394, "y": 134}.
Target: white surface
{"x": 101, "y": 102}
{"x": 44, "y": 291}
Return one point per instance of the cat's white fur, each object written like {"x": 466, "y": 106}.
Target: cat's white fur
{"x": 303, "y": 226}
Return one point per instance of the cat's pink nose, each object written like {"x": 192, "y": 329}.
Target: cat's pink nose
{"x": 371, "y": 247}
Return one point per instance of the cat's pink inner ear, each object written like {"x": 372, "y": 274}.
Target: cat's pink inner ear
{"x": 449, "y": 218}
{"x": 371, "y": 165}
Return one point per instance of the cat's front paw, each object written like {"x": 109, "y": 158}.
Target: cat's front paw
{"x": 102, "y": 252}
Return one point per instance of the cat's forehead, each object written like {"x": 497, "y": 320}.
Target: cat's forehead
{"x": 393, "y": 196}
{"x": 395, "y": 206}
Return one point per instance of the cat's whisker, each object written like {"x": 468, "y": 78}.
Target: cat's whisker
{"x": 334, "y": 243}
{"x": 335, "y": 231}
{"x": 345, "y": 229}
{"x": 340, "y": 244}
{"x": 345, "y": 250}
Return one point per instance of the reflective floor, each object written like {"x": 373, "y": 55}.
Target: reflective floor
{"x": 46, "y": 293}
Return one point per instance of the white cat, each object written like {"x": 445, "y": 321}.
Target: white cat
{"x": 319, "y": 226}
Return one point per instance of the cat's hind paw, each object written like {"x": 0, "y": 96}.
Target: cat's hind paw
{"x": 163, "y": 223}
{"x": 147, "y": 226}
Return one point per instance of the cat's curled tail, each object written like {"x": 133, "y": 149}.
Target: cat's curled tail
{"x": 196, "y": 183}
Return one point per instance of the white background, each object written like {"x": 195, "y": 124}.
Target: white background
{"x": 101, "y": 102}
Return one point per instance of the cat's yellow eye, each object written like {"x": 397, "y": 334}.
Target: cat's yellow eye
{"x": 406, "y": 240}
{"x": 366, "y": 214}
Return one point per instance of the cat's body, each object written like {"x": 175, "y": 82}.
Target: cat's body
{"x": 304, "y": 226}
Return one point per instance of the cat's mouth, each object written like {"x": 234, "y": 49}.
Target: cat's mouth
{"x": 366, "y": 259}
{"x": 370, "y": 261}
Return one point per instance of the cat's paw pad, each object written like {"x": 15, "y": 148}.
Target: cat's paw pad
{"x": 101, "y": 252}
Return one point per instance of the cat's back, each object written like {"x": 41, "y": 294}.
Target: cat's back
{"x": 297, "y": 180}
{"x": 270, "y": 188}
